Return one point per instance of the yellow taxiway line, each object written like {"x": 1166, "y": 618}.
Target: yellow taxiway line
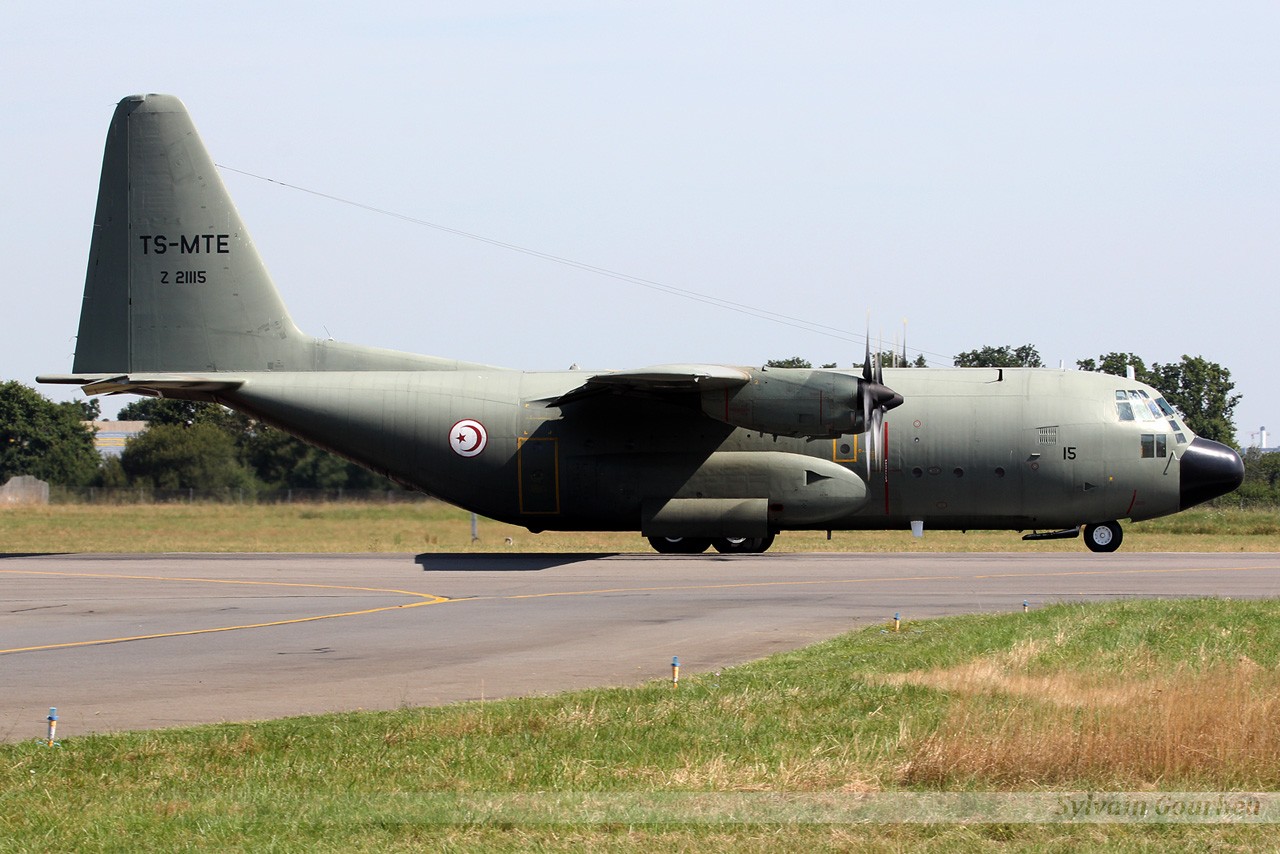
{"x": 424, "y": 599}
{"x": 432, "y": 599}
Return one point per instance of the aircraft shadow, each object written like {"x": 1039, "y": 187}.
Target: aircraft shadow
{"x": 499, "y": 562}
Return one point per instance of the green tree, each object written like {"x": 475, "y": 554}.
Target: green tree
{"x": 88, "y": 410}
{"x": 44, "y": 439}
{"x": 283, "y": 461}
{"x": 793, "y": 362}
{"x": 170, "y": 456}
{"x": 891, "y": 359}
{"x": 887, "y": 359}
{"x": 276, "y": 459}
{"x": 1202, "y": 391}
{"x": 1025, "y": 356}
{"x": 1261, "y": 485}
{"x": 1118, "y": 364}
{"x": 1199, "y": 389}
{"x": 157, "y": 411}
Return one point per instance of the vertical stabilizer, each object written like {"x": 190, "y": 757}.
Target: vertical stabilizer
{"x": 174, "y": 283}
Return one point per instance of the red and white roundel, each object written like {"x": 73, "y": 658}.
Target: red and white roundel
{"x": 468, "y": 437}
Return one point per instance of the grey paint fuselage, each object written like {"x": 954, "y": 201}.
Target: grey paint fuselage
{"x": 965, "y": 450}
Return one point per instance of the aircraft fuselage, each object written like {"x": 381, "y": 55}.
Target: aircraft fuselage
{"x": 969, "y": 448}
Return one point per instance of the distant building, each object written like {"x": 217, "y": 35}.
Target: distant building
{"x": 112, "y": 435}
{"x": 1261, "y": 441}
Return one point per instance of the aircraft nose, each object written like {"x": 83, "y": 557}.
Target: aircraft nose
{"x": 1208, "y": 469}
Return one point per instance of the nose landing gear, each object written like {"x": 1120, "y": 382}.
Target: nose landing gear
{"x": 1103, "y": 537}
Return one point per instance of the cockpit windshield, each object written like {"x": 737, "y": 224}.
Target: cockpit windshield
{"x": 1138, "y": 405}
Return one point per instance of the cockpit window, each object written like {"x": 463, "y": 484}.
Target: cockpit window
{"x": 1142, "y": 408}
{"x": 1138, "y": 405}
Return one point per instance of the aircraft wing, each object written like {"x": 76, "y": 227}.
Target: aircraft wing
{"x": 658, "y": 379}
{"x": 156, "y": 384}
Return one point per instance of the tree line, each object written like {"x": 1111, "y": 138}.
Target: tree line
{"x": 187, "y": 445}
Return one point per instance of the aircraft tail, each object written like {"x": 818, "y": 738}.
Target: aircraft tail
{"x": 174, "y": 283}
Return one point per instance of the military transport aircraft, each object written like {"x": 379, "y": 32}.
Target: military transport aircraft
{"x": 177, "y": 303}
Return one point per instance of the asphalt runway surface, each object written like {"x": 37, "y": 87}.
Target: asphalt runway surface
{"x": 120, "y": 642}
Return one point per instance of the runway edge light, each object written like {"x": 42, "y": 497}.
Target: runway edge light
{"x": 49, "y": 740}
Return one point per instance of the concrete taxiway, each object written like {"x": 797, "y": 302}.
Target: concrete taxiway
{"x": 143, "y": 641}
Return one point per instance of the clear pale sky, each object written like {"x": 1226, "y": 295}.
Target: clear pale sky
{"x": 1084, "y": 177}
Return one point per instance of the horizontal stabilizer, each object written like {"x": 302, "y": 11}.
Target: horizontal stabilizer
{"x": 161, "y": 385}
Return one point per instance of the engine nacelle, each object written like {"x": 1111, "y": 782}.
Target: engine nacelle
{"x": 791, "y": 402}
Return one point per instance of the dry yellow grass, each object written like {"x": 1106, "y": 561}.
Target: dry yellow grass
{"x": 1006, "y": 727}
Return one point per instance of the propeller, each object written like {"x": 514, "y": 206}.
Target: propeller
{"x": 877, "y": 399}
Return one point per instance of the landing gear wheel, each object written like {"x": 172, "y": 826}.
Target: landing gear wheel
{"x": 1103, "y": 537}
{"x": 742, "y": 545}
{"x": 679, "y": 545}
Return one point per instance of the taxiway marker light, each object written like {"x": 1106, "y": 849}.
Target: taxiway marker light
{"x": 675, "y": 671}
{"x": 53, "y": 728}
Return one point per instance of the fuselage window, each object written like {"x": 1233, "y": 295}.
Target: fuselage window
{"x": 1154, "y": 445}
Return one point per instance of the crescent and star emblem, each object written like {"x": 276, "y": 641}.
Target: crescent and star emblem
{"x": 468, "y": 437}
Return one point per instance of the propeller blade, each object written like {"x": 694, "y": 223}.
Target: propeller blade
{"x": 866, "y": 421}
{"x": 877, "y": 398}
{"x": 866, "y": 359}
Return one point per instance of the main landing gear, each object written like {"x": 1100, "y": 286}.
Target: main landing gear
{"x": 698, "y": 545}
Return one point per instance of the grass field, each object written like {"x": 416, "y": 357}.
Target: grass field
{"x": 1123, "y": 697}
{"x": 1175, "y": 696}
{"x": 436, "y": 527}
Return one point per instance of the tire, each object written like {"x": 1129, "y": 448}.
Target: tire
{"x": 1103, "y": 537}
{"x": 734, "y": 545}
{"x": 742, "y": 545}
{"x": 679, "y": 545}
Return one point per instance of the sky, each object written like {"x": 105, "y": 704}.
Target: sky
{"x": 760, "y": 179}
